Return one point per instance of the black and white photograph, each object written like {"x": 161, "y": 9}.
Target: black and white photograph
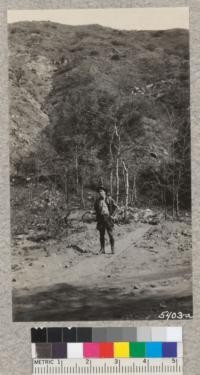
{"x": 100, "y": 164}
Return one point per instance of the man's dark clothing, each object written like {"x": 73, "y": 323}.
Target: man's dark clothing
{"x": 102, "y": 231}
{"x": 104, "y": 210}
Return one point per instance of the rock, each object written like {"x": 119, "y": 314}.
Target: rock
{"x": 39, "y": 236}
{"x": 186, "y": 233}
{"x": 136, "y": 217}
{"x": 154, "y": 221}
{"x": 150, "y": 217}
{"x": 148, "y": 213}
{"x": 164, "y": 283}
{"x": 30, "y": 264}
{"x": 153, "y": 251}
{"x": 115, "y": 56}
{"x": 163, "y": 305}
{"x": 78, "y": 248}
{"x": 15, "y": 267}
{"x": 20, "y": 236}
{"x": 13, "y": 280}
{"x": 108, "y": 276}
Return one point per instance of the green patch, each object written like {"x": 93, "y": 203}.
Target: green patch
{"x": 137, "y": 349}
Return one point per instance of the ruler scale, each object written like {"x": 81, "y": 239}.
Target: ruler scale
{"x": 100, "y": 366}
{"x": 107, "y": 351}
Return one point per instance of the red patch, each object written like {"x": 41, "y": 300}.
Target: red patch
{"x": 106, "y": 350}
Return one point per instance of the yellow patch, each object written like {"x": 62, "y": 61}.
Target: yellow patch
{"x": 121, "y": 349}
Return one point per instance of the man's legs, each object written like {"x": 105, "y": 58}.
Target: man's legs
{"x": 102, "y": 239}
{"x": 112, "y": 240}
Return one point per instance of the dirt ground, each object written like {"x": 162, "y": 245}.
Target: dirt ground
{"x": 66, "y": 278}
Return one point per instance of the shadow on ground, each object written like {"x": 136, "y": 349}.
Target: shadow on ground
{"x": 65, "y": 302}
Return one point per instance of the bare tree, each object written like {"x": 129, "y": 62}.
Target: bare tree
{"x": 126, "y": 184}
{"x": 82, "y": 194}
{"x": 117, "y": 162}
{"x": 111, "y": 162}
{"x": 134, "y": 188}
{"x": 76, "y": 168}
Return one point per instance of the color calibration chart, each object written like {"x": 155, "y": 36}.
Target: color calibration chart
{"x": 112, "y": 350}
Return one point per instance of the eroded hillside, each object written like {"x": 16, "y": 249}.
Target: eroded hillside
{"x": 69, "y": 87}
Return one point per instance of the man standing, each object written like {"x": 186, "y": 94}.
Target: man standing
{"x": 105, "y": 208}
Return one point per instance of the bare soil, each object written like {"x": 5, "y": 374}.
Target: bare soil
{"x": 66, "y": 278}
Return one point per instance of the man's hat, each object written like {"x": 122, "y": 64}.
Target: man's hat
{"x": 101, "y": 187}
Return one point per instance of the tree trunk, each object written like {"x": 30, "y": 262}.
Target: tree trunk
{"x": 76, "y": 167}
{"x": 117, "y": 180}
{"x": 37, "y": 167}
{"x": 66, "y": 188}
{"x": 164, "y": 189}
{"x": 124, "y": 180}
{"x": 165, "y": 202}
{"x": 30, "y": 194}
{"x": 82, "y": 195}
{"x": 177, "y": 191}
{"x": 111, "y": 181}
{"x": 177, "y": 203}
{"x": 173, "y": 180}
{"x": 173, "y": 197}
{"x": 134, "y": 189}
{"x": 111, "y": 165}
{"x": 127, "y": 184}
{"x": 131, "y": 197}
{"x": 117, "y": 163}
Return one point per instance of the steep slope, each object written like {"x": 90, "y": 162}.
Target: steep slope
{"x": 69, "y": 86}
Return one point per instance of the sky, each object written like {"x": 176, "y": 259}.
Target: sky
{"x": 123, "y": 18}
